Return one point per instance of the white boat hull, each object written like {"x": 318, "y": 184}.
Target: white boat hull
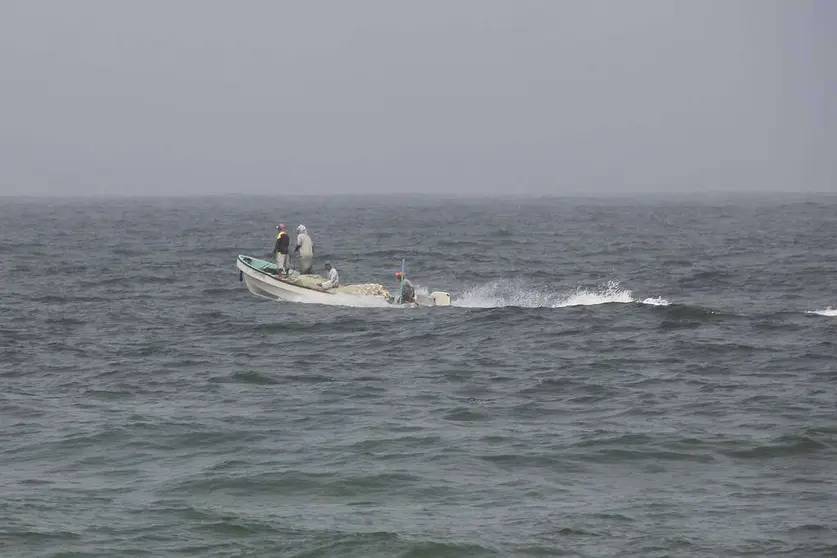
{"x": 267, "y": 285}
{"x": 263, "y": 285}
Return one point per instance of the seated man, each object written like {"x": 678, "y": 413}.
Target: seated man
{"x": 408, "y": 292}
{"x": 333, "y": 279}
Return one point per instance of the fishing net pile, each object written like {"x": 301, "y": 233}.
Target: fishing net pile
{"x": 362, "y": 289}
{"x": 308, "y": 281}
{"x": 366, "y": 289}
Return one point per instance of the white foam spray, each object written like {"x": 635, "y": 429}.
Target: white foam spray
{"x": 502, "y": 293}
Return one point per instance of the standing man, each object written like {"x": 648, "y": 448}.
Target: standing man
{"x": 306, "y": 250}
{"x": 280, "y": 249}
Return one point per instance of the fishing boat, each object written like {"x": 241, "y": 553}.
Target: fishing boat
{"x": 261, "y": 278}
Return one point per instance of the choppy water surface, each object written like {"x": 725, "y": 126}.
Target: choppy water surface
{"x": 616, "y": 378}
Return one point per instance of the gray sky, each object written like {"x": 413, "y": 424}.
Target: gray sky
{"x": 478, "y": 96}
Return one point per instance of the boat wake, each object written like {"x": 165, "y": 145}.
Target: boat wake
{"x": 504, "y": 293}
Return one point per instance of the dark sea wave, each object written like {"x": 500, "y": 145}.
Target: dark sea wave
{"x": 613, "y": 379}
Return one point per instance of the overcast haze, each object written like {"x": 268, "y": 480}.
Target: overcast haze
{"x": 482, "y": 96}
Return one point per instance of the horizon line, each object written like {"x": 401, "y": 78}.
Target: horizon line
{"x": 434, "y": 195}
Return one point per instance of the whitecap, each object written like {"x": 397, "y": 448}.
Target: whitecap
{"x": 659, "y": 301}
{"x": 828, "y": 312}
